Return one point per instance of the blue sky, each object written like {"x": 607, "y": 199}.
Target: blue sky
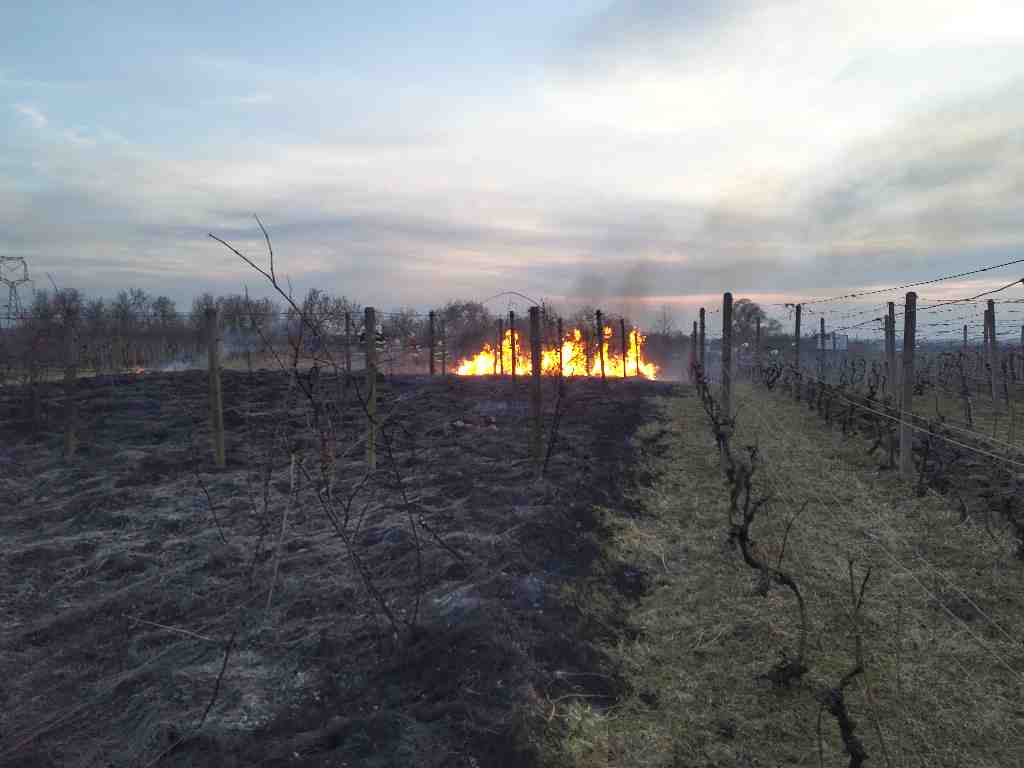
{"x": 630, "y": 153}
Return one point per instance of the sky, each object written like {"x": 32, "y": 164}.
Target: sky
{"x": 625, "y": 154}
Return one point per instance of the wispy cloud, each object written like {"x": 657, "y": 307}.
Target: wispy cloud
{"x": 34, "y": 115}
{"x": 254, "y": 99}
{"x": 76, "y": 137}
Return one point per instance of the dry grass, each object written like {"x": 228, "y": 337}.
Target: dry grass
{"x": 994, "y": 421}
{"x": 941, "y": 624}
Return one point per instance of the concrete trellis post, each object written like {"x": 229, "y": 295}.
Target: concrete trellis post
{"x": 599, "y": 339}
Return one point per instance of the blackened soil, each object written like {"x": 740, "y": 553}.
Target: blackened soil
{"x": 155, "y": 609}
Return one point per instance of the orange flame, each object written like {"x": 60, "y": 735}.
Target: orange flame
{"x": 574, "y": 358}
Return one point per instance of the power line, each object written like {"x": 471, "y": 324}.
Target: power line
{"x": 920, "y": 282}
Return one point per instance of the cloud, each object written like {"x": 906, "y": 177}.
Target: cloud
{"x": 402, "y": 224}
{"x": 787, "y": 147}
{"x": 646, "y": 27}
{"x": 256, "y": 99}
{"x": 36, "y": 117}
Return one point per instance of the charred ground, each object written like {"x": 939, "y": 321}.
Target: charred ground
{"x": 156, "y": 610}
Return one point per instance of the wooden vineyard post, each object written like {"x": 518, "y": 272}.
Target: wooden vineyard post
{"x": 993, "y": 351}
{"x": 885, "y": 350}
{"x": 444, "y": 348}
{"x": 693, "y": 353}
{"x": 216, "y": 394}
{"x": 727, "y": 355}
{"x": 501, "y": 347}
{"x": 561, "y": 344}
{"x": 984, "y": 343}
{"x": 890, "y": 349}
{"x": 821, "y": 350}
{"x": 599, "y": 338}
{"x": 907, "y": 402}
{"x": 796, "y": 337}
{"x": 70, "y": 385}
{"x": 370, "y": 331}
{"x": 348, "y": 344}
{"x": 430, "y": 339}
{"x": 965, "y": 339}
{"x": 702, "y": 341}
{"x": 512, "y": 340}
{"x": 636, "y": 349}
{"x": 625, "y": 353}
{"x": 1020, "y": 354}
{"x": 34, "y": 376}
{"x": 536, "y": 427}
{"x": 757, "y": 348}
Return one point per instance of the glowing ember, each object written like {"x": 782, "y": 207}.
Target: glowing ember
{"x": 574, "y": 358}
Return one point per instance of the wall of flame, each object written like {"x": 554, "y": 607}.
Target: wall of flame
{"x": 573, "y": 360}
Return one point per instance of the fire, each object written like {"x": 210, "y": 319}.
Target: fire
{"x": 574, "y": 358}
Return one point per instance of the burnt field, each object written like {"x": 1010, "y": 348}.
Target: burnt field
{"x": 158, "y": 611}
